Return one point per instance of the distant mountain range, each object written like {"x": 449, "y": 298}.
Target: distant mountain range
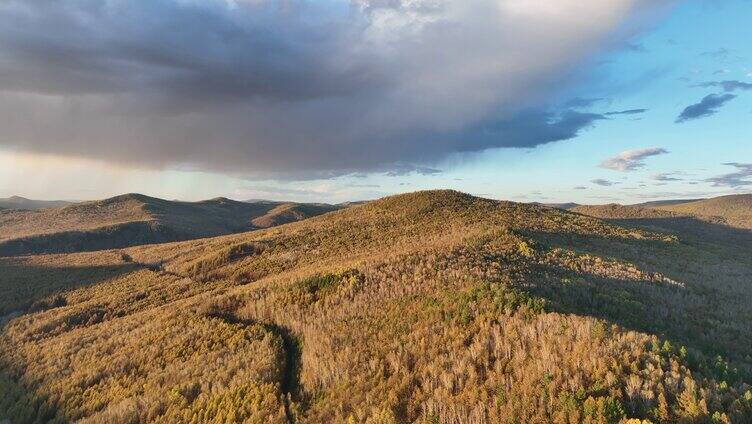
{"x": 134, "y": 219}
{"x": 17, "y": 202}
{"x": 733, "y": 211}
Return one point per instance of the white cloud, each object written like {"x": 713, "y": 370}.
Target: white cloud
{"x": 631, "y": 160}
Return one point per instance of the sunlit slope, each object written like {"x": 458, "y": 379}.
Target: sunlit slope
{"x": 719, "y": 227}
{"x": 428, "y": 307}
{"x": 131, "y": 219}
{"x": 735, "y": 210}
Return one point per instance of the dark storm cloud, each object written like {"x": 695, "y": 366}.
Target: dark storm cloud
{"x": 708, "y": 106}
{"x": 293, "y": 89}
{"x": 741, "y": 178}
{"x": 178, "y": 50}
{"x": 528, "y": 128}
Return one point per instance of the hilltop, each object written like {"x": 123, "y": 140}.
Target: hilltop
{"x": 134, "y": 219}
{"x": 656, "y": 203}
{"x": 715, "y": 217}
{"x": 430, "y": 307}
{"x": 565, "y": 206}
{"x": 735, "y": 210}
{"x": 17, "y": 202}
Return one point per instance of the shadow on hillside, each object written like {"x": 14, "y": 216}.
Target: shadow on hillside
{"x": 18, "y": 405}
{"x": 104, "y": 238}
{"x": 28, "y": 288}
{"x": 707, "y": 311}
{"x": 693, "y": 230}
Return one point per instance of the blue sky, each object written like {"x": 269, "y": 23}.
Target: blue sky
{"x": 659, "y": 67}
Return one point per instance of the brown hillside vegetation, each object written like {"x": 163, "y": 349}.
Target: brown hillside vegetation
{"x": 291, "y": 212}
{"x": 17, "y": 202}
{"x": 616, "y": 211}
{"x": 134, "y": 219}
{"x": 431, "y": 307}
{"x": 735, "y": 210}
{"x": 732, "y": 211}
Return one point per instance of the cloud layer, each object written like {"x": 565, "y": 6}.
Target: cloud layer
{"x": 741, "y": 178}
{"x": 294, "y": 88}
{"x": 631, "y": 160}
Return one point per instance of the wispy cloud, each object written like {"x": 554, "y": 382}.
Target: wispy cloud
{"x": 719, "y": 54}
{"x": 602, "y": 182}
{"x": 584, "y": 102}
{"x": 728, "y": 86}
{"x": 708, "y": 106}
{"x": 741, "y": 178}
{"x": 631, "y": 160}
{"x": 665, "y": 176}
{"x": 626, "y": 112}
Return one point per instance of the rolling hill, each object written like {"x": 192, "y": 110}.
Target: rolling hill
{"x": 17, "y": 202}
{"x": 430, "y": 307}
{"x": 713, "y": 215}
{"x": 290, "y": 212}
{"x": 565, "y": 206}
{"x": 617, "y": 211}
{"x": 134, "y": 219}
{"x": 735, "y": 210}
{"x": 657, "y": 203}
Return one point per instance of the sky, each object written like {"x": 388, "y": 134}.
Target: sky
{"x": 585, "y": 101}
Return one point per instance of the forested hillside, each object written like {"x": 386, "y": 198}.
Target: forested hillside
{"x": 734, "y": 210}
{"x": 431, "y": 307}
{"x": 17, "y": 202}
{"x": 135, "y": 219}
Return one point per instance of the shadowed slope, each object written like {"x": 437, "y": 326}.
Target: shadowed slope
{"x": 616, "y": 211}
{"x": 735, "y": 210}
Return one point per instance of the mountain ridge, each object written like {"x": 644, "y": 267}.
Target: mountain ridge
{"x": 733, "y": 211}
{"x": 18, "y": 202}
{"x": 130, "y": 219}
